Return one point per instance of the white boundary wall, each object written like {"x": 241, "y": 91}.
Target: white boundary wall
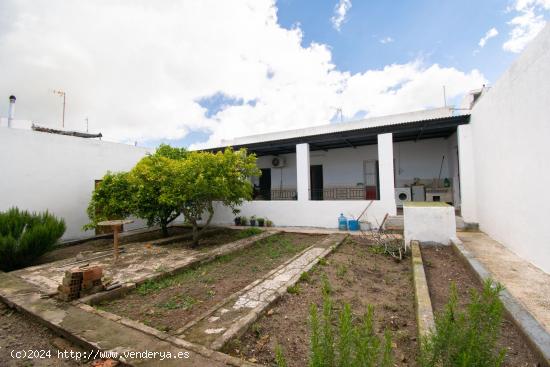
{"x": 312, "y": 213}
{"x": 511, "y": 147}
{"x": 41, "y": 171}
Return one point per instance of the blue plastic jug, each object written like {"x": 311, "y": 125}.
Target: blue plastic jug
{"x": 353, "y": 225}
{"x": 342, "y": 222}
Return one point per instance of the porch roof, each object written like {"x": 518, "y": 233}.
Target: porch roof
{"x": 441, "y": 127}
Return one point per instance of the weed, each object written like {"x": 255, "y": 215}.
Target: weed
{"x": 279, "y": 356}
{"x": 294, "y": 289}
{"x": 256, "y": 329}
{"x": 183, "y": 302}
{"x": 305, "y": 277}
{"x": 323, "y": 262}
{"x": 210, "y": 293}
{"x": 467, "y": 337}
{"x": 325, "y": 286}
{"x": 341, "y": 271}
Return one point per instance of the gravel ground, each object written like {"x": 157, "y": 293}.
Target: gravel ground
{"x": 19, "y": 333}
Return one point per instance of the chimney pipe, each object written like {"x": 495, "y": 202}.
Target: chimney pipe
{"x": 11, "y": 110}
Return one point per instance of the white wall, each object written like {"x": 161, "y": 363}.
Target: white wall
{"x": 41, "y": 171}
{"x": 511, "y": 139}
{"x": 311, "y": 213}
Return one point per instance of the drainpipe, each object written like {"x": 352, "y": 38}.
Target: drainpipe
{"x": 11, "y": 110}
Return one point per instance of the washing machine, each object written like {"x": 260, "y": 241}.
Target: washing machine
{"x": 402, "y": 194}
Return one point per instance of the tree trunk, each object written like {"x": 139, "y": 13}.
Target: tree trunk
{"x": 196, "y": 235}
{"x": 164, "y": 228}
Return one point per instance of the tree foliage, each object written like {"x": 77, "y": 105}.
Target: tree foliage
{"x": 203, "y": 178}
{"x": 173, "y": 181}
{"x": 111, "y": 199}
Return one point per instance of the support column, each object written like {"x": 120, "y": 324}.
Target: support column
{"x": 385, "y": 169}
{"x": 468, "y": 201}
{"x": 302, "y": 171}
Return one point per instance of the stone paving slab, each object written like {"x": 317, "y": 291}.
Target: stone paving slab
{"x": 232, "y": 317}
{"x": 138, "y": 263}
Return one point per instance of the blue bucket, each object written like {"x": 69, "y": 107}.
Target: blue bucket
{"x": 353, "y": 225}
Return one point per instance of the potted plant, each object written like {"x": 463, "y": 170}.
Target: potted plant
{"x": 260, "y": 222}
{"x": 244, "y": 221}
{"x": 237, "y": 221}
{"x": 268, "y": 223}
{"x": 253, "y": 221}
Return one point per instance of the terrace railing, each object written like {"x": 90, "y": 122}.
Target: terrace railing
{"x": 284, "y": 194}
{"x": 344, "y": 193}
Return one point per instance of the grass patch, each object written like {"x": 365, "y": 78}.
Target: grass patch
{"x": 341, "y": 271}
{"x": 294, "y": 289}
{"x": 305, "y": 277}
{"x": 178, "y": 302}
{"x": 249, "y": 232}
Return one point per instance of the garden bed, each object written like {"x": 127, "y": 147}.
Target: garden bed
{"x": 359, "y": 276}
{"x": 443, "y": 267}
{"x": 169, "y": 303}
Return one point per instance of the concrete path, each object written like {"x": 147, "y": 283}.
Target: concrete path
{"x": 231, "y": 317}
{"x": 527, "y": 283}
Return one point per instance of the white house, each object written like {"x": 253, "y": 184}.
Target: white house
{"x": 311, "y": 176}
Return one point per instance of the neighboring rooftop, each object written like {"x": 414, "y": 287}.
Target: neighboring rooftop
{"x": 434, "y": 123}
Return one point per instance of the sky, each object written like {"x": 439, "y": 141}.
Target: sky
{"x": 194, "y": 73}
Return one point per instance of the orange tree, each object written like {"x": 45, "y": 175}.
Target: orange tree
{"x": 201, "y": 179}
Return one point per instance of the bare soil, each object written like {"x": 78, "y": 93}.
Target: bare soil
{"x": 94, "y": 245}
{"x": 18, "y": 332}
{"x": 359, "y": 277}
{"x": 169, "y": 303}
{"x": 443, "y": 267}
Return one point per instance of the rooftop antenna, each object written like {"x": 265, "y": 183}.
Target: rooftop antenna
{"x": 64, "y": 95}
{"x": 339, "y": 111}
{"x": 444, "y": 97}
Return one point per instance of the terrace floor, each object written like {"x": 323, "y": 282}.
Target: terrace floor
{"x": 527, "y": 283}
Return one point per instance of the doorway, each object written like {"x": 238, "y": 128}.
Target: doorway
{"x": 316, "y": 181}
{"x": 265, "y": 184}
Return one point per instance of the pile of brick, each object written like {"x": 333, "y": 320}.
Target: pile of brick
{"x": 79, "y": 282}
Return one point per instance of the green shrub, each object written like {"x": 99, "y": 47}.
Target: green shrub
{"x": 467, "y": 337}
{"x": 26, "y": 236}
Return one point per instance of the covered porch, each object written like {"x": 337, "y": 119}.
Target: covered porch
{"x": 310, "y": 179}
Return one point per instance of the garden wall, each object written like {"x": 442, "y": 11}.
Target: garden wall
{"x": 310, "y": 213}
{"x": 510, "y": 132}
{"x": 42, "y": 171}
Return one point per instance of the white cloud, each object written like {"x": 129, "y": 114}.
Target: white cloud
{"x": 493, "y": 32}
{"x": 340, "y": 11}
{"x": 137, "y": 70}
{"x": 386, "y": 40}
{"x": 526, "y": 25}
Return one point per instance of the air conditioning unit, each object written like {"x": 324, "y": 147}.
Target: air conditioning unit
{"x": 278, "y": 162}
